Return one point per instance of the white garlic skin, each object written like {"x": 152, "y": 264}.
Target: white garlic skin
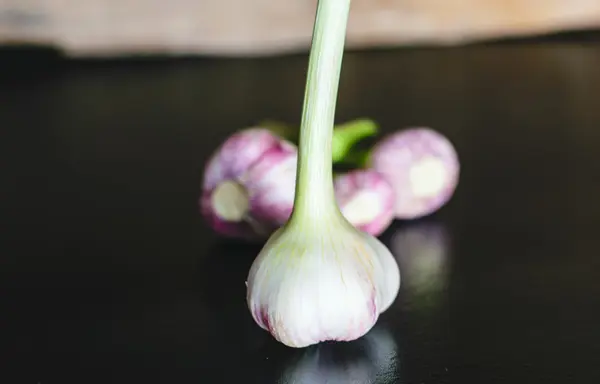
{"x": 319, "y": 284}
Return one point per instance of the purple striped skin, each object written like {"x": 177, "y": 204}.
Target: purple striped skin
{"x": 397, "y": 153}
{"x": 349, "y": 185}
{"x": 238, "y": 153}
{"x": 272, "y": 185}
{"x": 255, "y": 158}
{"x": 354, "y": 330}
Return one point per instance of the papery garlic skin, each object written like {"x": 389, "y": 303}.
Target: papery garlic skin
{"x": 248, "y": 184}
{"x": 326, "y": 283}
{"x": 366, "y": 200}
{"x": 390, "y": 282}
{"x": 423, "y": 168}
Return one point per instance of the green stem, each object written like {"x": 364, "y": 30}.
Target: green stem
{"x": 345, "y": 136}
{"x": 314, "y": 198}
{"x": 357, "y": 159}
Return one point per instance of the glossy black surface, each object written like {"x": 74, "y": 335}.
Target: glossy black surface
{"x": 109, "y": 275}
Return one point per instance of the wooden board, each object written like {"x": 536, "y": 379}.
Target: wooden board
{"x": 265, "y": 27}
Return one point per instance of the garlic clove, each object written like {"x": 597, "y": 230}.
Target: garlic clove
{"x": 329, "y": 283}
{"x": 248, "y": 186}
{"x": 423, "y": 168}
{"x": 366, "y": 200}
{"x": 271, "y": 183}
{"x": 391, "y": 273}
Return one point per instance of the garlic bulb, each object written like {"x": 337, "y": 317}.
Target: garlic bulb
{"x": 422, "y": 166}
{"x": 248, "y": 185}
{"x": 328, "y": 282}
{"x": 366, "y": 200}
{"x": 318, "y": 278}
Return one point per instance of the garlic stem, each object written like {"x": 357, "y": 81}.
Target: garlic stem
{"x": 358, "y": 159}
{"x": 345, "y": 135}
{"x": 314, "y": 197}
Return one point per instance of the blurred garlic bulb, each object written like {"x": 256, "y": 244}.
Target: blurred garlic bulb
{"x": 423, "y": 168}
{"x": 318, "y": 278}
{"x": 248, "y": 185}
{"x": 366, "y": 200}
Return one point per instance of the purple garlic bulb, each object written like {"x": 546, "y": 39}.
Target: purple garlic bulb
{"x": 366, "y": 200}
{"x": 423, "y": 168}
{"x": 249, "y": 184}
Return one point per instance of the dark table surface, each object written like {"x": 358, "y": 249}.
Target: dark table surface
{"x": 109, "y": 275}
